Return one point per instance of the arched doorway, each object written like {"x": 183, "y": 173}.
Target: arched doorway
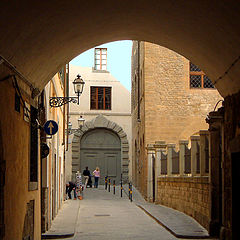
{"x": 101, "y": 138}
{"x": 101, "y": 148}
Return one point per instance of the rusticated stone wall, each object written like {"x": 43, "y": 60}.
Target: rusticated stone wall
{"x": 186, "y": 194}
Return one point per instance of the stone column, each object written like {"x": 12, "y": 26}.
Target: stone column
{"x": 150, "y": 154}
{"x": 170, "y": 148}
{"x": 215, "y": 158}
{"x": 203, "y": 152}
{"x": 160, "y": 146}
{"x": 194, "y": 151}
{"x": 182, "y": 152}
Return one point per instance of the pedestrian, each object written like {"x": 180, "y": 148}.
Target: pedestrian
{"x": 96, "y": 174}
{"x": 69, "y": 187}
{"x": 87, "y": 176}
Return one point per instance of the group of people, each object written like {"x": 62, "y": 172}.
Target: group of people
{"x": 78, "y": 187}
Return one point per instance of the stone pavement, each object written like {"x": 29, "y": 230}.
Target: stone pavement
{"x": 63, "y": 226}
{"x": 178, "y": 223}
{"x": 104, "y": 216}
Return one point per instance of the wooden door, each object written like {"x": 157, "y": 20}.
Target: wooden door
{"x": 101, "y": 148}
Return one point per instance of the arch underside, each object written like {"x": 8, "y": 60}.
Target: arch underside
{"x": 39, "y": 38}
{"x": 100, "y": 122}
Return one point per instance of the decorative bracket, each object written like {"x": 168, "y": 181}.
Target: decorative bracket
{"x": 60, "y": 101}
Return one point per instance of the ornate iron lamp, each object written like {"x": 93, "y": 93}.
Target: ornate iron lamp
{"x": 78, "y": 84}
{"x": 81, "y": 121}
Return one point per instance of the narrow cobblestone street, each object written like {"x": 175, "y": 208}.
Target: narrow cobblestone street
{"x": 103, "y": 215}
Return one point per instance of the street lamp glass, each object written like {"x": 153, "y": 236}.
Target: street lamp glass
{"x": 69, "y": 126}
{"x": 78, "y": 84}
{"x": 81, "y": 121}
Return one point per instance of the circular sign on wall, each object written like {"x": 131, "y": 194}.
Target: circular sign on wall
{"x": 50, "y": 127}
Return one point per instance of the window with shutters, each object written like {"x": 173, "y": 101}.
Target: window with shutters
{"x": 198, "y": 79}
{"x": 100, "y": 98}
{"x": 100, "y": 60}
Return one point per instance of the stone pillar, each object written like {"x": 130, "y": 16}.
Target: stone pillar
{"x": 182, "y": 152}
{"x": 194, "y": 151}
{"x": 204, "y": 150}
{"x": 170, "y": 148}
{"x": 160, "y": 146}
{"x": 215, "y": 158}
{"x": 150, "y": 182}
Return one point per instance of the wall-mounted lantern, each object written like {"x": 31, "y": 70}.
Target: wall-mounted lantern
{"x": 78, "y": 84}
{"x": 81, "y": 121}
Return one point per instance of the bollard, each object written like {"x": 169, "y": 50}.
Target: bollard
{"x": 106, "y": 178}
{"x": 114, "y": 185}
{"x": 109, "y": 183}
{"x": 121, "y": 187}
{"x": 131, "y": 192}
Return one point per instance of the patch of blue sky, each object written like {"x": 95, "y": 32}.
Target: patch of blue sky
{"x": 118, "y": 60}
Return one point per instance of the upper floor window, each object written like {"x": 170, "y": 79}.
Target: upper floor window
{"x": 100, "y": 98}
{"x": 198, "y": 79}
{"x": 100, "y": 60}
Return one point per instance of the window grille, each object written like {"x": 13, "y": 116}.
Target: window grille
{"x": 198, "y": 79}
{"x": 207, "y": 82}
{"x": 100, "y": 98}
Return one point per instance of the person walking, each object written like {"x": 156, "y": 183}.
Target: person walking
{"x": 96, "y": 174}
{"x": 86, "y": 174}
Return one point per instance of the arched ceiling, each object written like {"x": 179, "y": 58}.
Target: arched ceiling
{"x": 38, "y": 37}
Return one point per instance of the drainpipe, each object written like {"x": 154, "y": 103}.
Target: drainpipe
{"x": 138, "y": 77}
{"x": 67, "y": 95}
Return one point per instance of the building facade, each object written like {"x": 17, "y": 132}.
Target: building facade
{"x": 53, "y": 165}
{"x": 104, "y": 140}
{"x": 171, "y": 99}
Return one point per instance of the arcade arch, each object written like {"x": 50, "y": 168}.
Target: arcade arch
{"x": 40, "y": 42}
{"x": 38, "y": 39}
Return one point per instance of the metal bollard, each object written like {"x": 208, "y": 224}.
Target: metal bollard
{"x": 114, "y": 186}
{"x": 106, "y": 178}
{"x": 129, "y": 190}
{"x": 109, "y": 184}
{"x": 131, "y": 193}
{"x": 121, "y": 188}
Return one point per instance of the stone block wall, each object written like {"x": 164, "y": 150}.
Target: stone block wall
{"x": 180, "y": 179}
{"x": 169, "y": 109}
{"x": 186, "y": 194}
{"x": 173, "y": 110}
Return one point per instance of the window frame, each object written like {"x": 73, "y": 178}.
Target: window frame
{"x": 104, "y": 98}
{"x": 198, "y": 73}
{"x": 101, "y": 59}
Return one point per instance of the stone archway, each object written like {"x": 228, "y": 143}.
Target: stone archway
{"x": 101, "y": 122}
{"x": 207, "y": 33}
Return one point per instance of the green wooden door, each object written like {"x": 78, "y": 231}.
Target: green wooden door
{"x": 101, "y": 148}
